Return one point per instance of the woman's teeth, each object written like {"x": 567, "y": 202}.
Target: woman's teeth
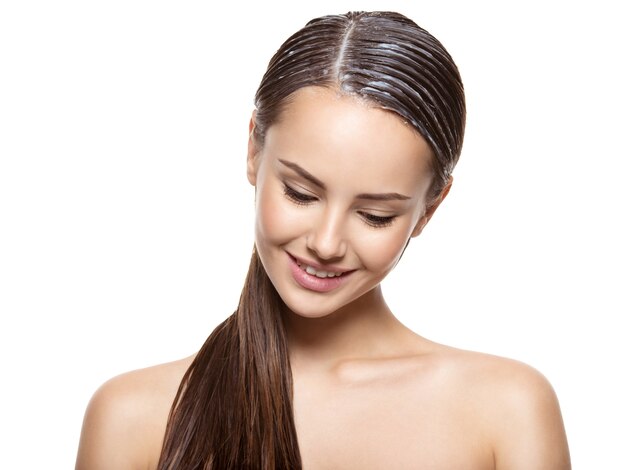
{"x": 314, "y": 272}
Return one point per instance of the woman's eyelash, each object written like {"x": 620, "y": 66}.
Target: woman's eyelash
{"x": 297, "y": 197}
{"x": 377, "y": 220}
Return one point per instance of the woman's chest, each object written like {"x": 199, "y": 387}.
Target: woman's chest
{"x": 386, "y": 426}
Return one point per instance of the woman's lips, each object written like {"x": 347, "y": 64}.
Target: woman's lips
{"x": 316, "y": 278}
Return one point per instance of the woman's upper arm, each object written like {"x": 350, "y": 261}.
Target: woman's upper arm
{"x": 530, "y": 430}
{"x": 111, "y": 434}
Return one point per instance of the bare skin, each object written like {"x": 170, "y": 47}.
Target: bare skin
{"x": 125, "y": 421}
{"x": 404, "y": 402}
{"x": 419, "y": 405}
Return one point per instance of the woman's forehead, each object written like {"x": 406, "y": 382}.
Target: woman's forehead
{"x": 336, "y": 134}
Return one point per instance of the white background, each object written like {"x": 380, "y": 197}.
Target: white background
{"x": 126, "y": 219}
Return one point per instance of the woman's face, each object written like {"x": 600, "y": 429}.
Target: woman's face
{"x": 340, "y": 188}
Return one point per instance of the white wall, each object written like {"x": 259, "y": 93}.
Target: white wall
{"x": 126, "y": 219}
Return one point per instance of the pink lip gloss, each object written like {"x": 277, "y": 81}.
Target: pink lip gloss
{"x": 312, "y": 282}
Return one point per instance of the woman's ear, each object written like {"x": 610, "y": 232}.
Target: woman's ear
{"x": 253, "y": 151}
{"x": 430, "y": 210}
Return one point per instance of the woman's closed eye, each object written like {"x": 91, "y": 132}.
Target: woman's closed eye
{"x": 377, "y": 221}
{"x": 296, "y": 196}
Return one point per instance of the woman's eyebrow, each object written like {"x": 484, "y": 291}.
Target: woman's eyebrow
{"x": 302, "y": 172}
{"x": 369, "y": 196}
{"x": 383, "y": 196}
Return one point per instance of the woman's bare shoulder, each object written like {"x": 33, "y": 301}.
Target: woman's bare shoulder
{"x": 487, "y": 370}
{"x": 514, "y": 403}
{"x": 126, "y": 417}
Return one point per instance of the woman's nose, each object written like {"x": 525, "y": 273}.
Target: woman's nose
{"x": 326, "y": 237}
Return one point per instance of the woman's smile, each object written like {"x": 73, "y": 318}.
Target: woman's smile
{"x": 315, "y": 277}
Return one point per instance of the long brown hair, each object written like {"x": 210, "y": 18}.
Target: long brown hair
{"x": 234, "y": 407}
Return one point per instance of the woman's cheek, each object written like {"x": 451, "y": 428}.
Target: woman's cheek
{"x": 277, "y": 218}
{"x": 381, "y": 251}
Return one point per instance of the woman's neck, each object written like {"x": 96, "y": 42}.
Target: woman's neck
{"x": 364, "y": 329}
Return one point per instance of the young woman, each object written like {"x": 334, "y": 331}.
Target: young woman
{"x": 358, "y": 125}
